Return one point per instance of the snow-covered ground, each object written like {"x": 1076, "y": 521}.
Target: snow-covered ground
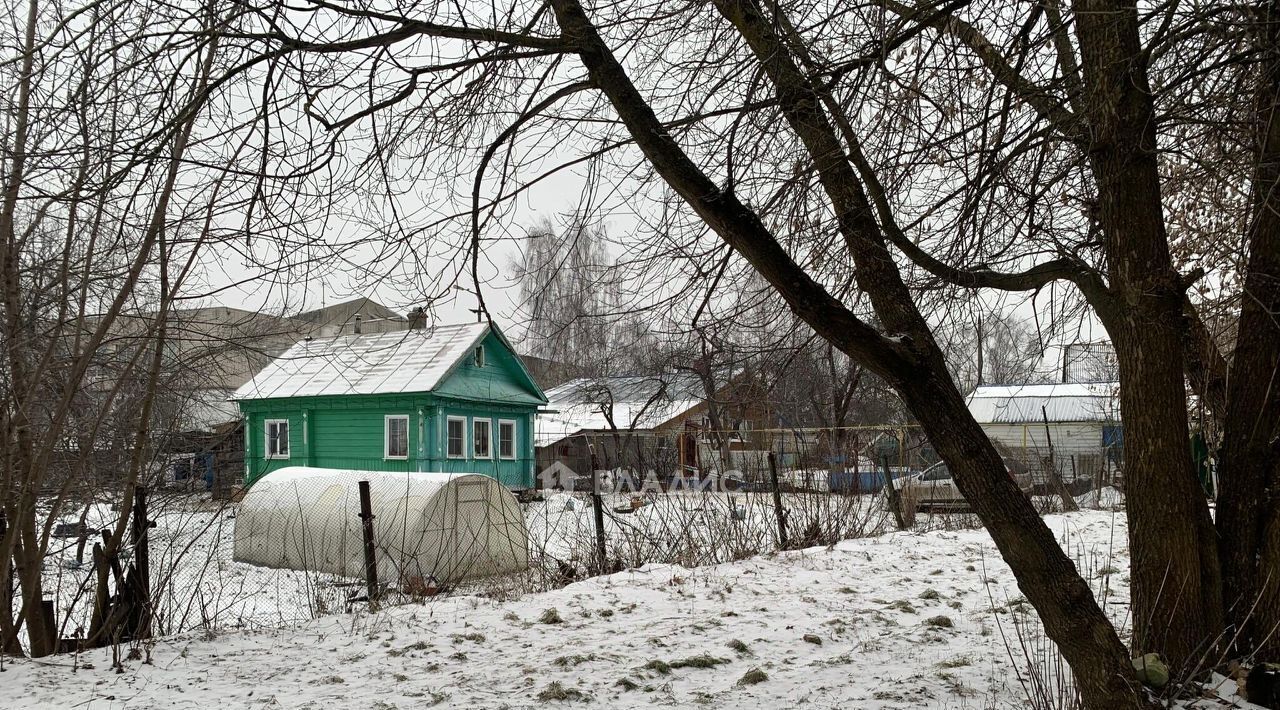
{"x": 199, "y": 586}
{"x": 929, "y": 618}
{"x": 903, "y": 620}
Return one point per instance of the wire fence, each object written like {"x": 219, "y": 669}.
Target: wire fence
{"x": 850, "y": 460}
{"x": 689, "y": 498}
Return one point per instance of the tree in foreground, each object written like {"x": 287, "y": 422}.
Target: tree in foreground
{"x": 117, "y": 186}
{"x": 867, "y": 161}
{"x": 752, "y": 129}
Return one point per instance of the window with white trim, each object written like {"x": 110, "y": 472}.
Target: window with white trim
{"x": 507, "y": 439}
{"x": 480, "y": 438}
{"x": 277, "y": 436}
{"x": 456, "y": 430}
{"x": 479, "y": 356}
{"x": 395, "y": 443}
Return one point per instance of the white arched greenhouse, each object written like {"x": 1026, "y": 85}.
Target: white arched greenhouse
{"x": 445, "y": 527}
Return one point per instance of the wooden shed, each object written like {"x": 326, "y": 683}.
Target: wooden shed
{"x": 445, "y": 398}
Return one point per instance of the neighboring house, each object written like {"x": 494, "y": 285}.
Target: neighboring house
{"x": 209, "y": 352}
{"x": 360, "y": 315}
{"x": 661, "y": 422}
{"x": 220, "y": 348}
{"x": 447, "y": 398}
{"x": 215, "y": 350}
{"x": 1076, "y": 424}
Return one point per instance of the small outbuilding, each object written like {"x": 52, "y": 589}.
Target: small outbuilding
{"x": 662, "y": 421}
{"x": 439, "y": 527}
{"x": 1076, "y": 426}
{"x": 450, "y": 398}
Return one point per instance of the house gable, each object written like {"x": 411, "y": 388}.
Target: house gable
{"x": 501, "y": 379}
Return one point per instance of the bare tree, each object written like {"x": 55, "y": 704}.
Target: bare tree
{"x": 1108, "y": 85}
{"x": 993, "y": 348}
{"x": 115, "y": 187}
{"x": 1249, "y": 504}
{"x": 868, "y": 162}
{"x": 773, "y": 70}
{"x": 572, "y": 300}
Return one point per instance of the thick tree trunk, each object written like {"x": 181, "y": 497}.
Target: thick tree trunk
{"x": 28, "y": 567}
{"x": 1175, "y": 581}
{"x": 1249, "y": 472}
{"x": 911, "y": 361}
{"x": 1206, "y": 367}
{"x": 8, "y": 625}
{"x": 1045, "y": 575}
{"x": 1175, "y": 587}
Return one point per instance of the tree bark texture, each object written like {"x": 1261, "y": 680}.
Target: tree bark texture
{"x": 1249, "y": 472}
{"x": 1175, "y": 587}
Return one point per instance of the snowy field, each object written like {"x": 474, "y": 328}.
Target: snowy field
{"x": 903, "y": 620}
{"x": 928, "y": 618}
{"x": 200, "y": 587}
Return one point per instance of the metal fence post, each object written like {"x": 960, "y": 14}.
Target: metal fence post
{"x": 597, "y": 505}
{"x": 777, "y": 500}
{"x": 370, "y": 552}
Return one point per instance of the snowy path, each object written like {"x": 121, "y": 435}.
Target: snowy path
{"x": 904, "y": 621}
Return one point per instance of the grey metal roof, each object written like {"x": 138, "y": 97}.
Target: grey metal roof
{"x": 381, "y": 363}
{"x": 631, "y": 402}
{"x": 1069, "y": 402}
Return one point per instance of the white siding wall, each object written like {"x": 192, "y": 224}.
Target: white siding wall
{"x": 1077, "y": 447}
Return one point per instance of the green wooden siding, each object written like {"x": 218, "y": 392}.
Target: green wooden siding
{"x": 348, "y": 431}
{"x": 501, "y": 380}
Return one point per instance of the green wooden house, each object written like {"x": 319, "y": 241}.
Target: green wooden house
{"x": 448, "y": 398}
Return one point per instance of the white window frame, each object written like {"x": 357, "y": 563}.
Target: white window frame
{"x": 479, "y": 356}
{"x": 386, "y": 436}
{"x": 488, "y": 439}
{"x": 266, "y": 439}
{"x": 447, "y": 452}
{"x": 515, "y": 434}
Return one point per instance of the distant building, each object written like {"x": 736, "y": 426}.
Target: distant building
{"x": 358, "y": 315}
{"x": 446, "y": 398}
{"x": 217, "y": 349}
{"x": 662, "y": 422}
{"x": 209, "y": 352}
{"x": 1076, "y": 425}
{"x": 1089, "y": 362}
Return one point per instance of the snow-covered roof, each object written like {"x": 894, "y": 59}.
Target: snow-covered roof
{"x": 205, "y": 409}
{"x": 1064, "y": 402}
{"x": 637, "y": 402}
{"x": 380, "y": 363}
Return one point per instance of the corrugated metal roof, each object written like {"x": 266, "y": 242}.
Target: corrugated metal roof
{"x": 587, "y": 404}
{"x": 381, "y": 363}
{"x": 1069, "y": 402}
